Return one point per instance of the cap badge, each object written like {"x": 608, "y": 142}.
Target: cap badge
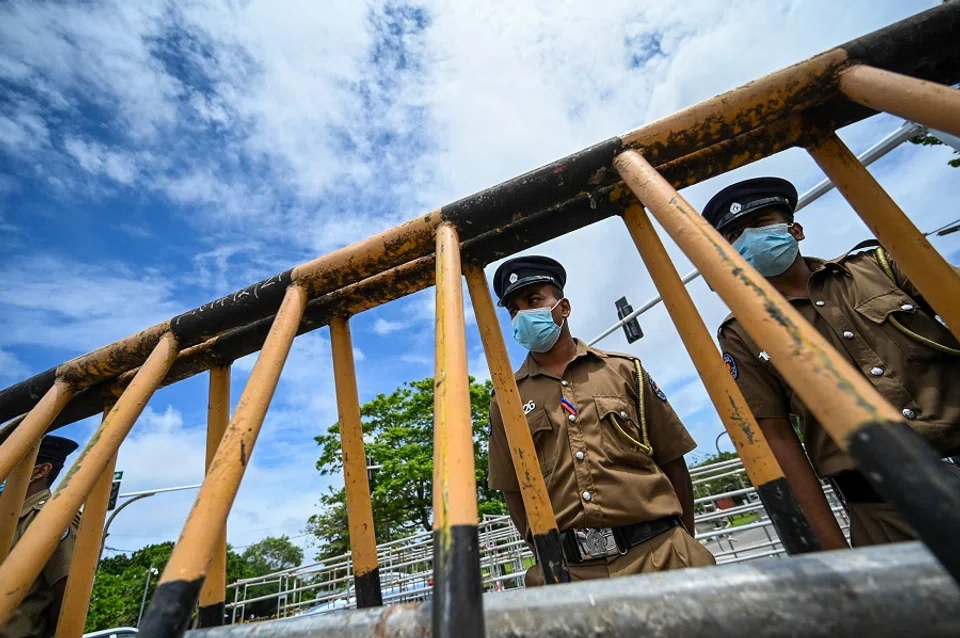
{"x": 513, "y": 278}
{"x": 735, "y": 207}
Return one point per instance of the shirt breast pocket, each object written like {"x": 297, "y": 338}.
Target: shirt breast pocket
{"x": 621, "y": 431}
{"x": 544, "y": 440}
{"x": 896, "y": 314}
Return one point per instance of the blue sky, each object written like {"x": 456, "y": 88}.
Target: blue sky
{"x": 156, "y": 155}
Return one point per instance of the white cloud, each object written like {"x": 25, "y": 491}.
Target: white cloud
{"x": 96, "y": 158}
{"x": 384, "y": 327}
{"x": 11, "y": 368}
{"x": 79, "y": 306}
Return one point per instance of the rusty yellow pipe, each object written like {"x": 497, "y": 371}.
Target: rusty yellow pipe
{"x": 11, "y": 501}
{"x": 31, "y": 553}
{"x": 179, "y": 587}
{"x": 457, "y": 590}
{"x": 938, "y": 282}
{"x": 33, "y": 426}
{"x": 214, "y": 590}
{"x": 896, "y": 461}
{"x": 927, "y": 103}
{"x": 798, "y": 508}
{"x": 740, "y": 110}
{"x": 86, "y": 553}
{"x": 363, "y": 539}
{"x": 533, "y": 489}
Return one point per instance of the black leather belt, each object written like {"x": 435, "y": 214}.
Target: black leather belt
{"x": 582, "y": 545}
{"x": 855, "y": 488}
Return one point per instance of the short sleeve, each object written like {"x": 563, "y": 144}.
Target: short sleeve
{"x": 764, "y": 393}
{"x": 58, "y": 567}
{"x": 668, "y": 436}
{"x": 501, "y": 474}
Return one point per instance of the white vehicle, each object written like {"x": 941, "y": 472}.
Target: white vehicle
{"x": 119, "y": 632}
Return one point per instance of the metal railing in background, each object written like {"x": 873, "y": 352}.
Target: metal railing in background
{"x": 733, "y": 532}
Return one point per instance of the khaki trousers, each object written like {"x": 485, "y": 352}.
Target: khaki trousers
{"x": 673, "y": 549}
{"x": 877, "y": 524}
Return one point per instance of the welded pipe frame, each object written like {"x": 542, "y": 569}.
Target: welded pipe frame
{"x": 884, "y": 592}
{"x": 899, "y": 464}
{"x": 807, "y": 92}
{"x": 797, "y": 507}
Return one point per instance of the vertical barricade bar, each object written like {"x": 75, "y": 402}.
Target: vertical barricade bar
{"x": 798, "y": 508}
{"x": 11, "y": 501}
{"x": 177, "y": 593}
{"x": 896, "y": 461}
{"x": 363, "y": 539}
{"x": 533, "y": 489}
{"x": 27, "y": 559}
{"x": 33, "y": 426}
{"x": 86, "y": 555}
{"x": 927, "y": 103}
{"x": 457, "y": 589}
{"x": 938, "y": 282}
{"x": 214, "y": 591}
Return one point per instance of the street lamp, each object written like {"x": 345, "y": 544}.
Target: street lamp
{"x": 136, "y": 496}
{"x": 143, "y": 601}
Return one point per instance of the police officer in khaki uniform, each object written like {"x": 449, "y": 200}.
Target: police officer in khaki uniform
{"x": 610, "y": 446}
{"x": 37, "y": 615}
{"x": 870, "y": 312}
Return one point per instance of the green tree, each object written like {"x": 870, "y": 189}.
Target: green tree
{"x": 399, "y": 427}
{"x": 118, "y": 588}
{"x": 272, "y": 554}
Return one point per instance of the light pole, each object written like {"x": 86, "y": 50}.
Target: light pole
{"x": 143, "y": 601}
{"x": 136, "y": 496}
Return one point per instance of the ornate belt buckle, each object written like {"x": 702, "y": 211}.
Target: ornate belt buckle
{"x": 596, "y": 542}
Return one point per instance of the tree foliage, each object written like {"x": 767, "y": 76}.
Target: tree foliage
{"x": 118, "y": 588}
{"x": 399, "y": 430}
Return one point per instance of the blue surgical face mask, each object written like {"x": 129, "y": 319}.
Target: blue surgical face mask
{"x": 769, "y": 249}
{"x": 535, "y": 329}
{"x": 3, "y": 485}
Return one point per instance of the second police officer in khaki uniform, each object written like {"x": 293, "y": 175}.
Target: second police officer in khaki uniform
{"x": 611, "y": 457}
{"x": 869, "y": 311}
{"x": 37, "y": 615}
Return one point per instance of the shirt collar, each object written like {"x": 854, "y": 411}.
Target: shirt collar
{"x": 32, "y": 501}
{"x": 531, "y": 368}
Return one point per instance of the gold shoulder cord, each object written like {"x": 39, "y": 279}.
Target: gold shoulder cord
{"x": 885, "y": 265}
{"x": 645, "y": 446}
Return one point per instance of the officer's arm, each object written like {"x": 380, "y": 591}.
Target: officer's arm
{"x": 676, "y": 471}
{"x": 501, "y": 474}
{"x": 518, "y": 513}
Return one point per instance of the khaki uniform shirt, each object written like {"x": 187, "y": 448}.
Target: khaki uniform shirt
{"x": 851, "y": 301}
{"x": 29, "y": 620}
{"x": 594, "y": 475}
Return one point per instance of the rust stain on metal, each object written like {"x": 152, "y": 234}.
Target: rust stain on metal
{"x": 113, "y": 359}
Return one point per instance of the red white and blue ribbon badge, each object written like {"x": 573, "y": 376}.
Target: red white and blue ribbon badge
{"x": 656, "y": 389}
{"x": 569, "y": 407}
{"x": 731, "y": 365}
